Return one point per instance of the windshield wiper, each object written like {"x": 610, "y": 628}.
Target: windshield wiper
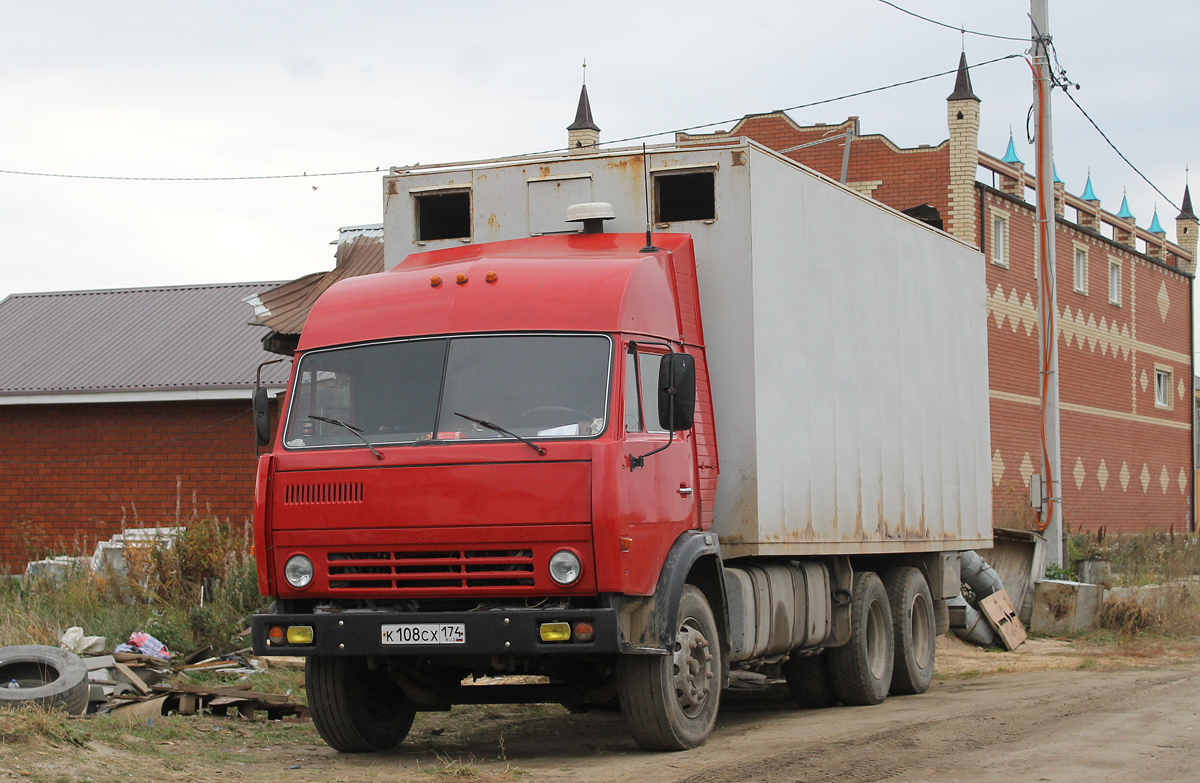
{"x": 352, "y": 428}
{"x": 502, "y": 431}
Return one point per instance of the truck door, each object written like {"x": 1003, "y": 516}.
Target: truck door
{"x": 661, "y": 494}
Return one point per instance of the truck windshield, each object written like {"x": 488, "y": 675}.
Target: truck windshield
{"x": 410, "y": 391}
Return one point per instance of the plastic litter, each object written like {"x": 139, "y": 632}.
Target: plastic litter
{"x": 144, "y": 644}
{"x": 73, "y": 640}
{"x": 13, "y": 684}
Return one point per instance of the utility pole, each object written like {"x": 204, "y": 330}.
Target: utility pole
{"x": 1050, "y": 514}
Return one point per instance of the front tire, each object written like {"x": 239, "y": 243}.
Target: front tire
{"x": 861, "y": 669}
{"x": 670, "y": 701}
{"x": 915, "y": 627}
{"x": 354, "y": 708}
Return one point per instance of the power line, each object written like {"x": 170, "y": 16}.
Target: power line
{"x": 192, "y": 179}
{"x": 1104, "y": 136}
{"x": 542, "y": 152}
{"x": 962, "y": 30}
{"x": 798, "y": 106}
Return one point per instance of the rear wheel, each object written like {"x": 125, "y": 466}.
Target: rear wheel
{"x": 861, "y": 669}
{"x": 670, "y": 701}
{"x": 354, "y": 708}
{"x": 914, "y": 623}
{"x": 808, "y": 681}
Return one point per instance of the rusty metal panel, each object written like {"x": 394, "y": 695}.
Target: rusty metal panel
{"x": 846, "y": 343}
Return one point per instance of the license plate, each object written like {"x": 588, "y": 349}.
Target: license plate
{"x": 425, "y": 633}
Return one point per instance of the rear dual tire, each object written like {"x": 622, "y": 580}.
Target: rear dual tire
{"x": 915, "y": 627}
{"x": 860, "y": 671}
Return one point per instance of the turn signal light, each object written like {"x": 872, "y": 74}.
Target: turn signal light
{"x": 275, "y": 635}
{"x": 555, "y": 632}
{"x": 584, "y": 632}
{"x": 300, "y": 634}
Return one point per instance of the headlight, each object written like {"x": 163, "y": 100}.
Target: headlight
{"x": 565, "y": 567}
{"x": 298, "y": 571}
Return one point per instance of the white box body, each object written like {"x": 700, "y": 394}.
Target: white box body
{"x": 846, "y": 343}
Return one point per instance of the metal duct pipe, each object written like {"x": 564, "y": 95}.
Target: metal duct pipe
{"x": 984, "y": 581}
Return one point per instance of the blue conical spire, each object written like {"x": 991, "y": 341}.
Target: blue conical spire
{"x": 1125, "y": 214}
{"x": 1088, "y": 193}
{"x": 1057, "y": 181}
{"x": 1155, "y": 228}
{"x": 1010, "y": 155}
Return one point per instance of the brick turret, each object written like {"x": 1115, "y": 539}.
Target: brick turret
{"x": 962, "y": 116}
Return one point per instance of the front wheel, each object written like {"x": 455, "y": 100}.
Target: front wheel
{"x": 670, "y": 701}
{"x": 356, "y": 709}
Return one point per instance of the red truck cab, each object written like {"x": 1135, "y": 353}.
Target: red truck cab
{"x": 478, "y": 472}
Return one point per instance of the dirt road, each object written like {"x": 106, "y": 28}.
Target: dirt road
{"x": 1057, "y": 717}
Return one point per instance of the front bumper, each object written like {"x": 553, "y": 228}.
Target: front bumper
{"x": 490, "y": 632}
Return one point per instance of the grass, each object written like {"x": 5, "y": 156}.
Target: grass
{"x": 1142, "y": 558}
{"x": 199, "y": 590}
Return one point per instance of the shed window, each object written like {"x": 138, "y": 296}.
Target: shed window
{"x": 689, "y": 196}
{"x": 443, "y": 215}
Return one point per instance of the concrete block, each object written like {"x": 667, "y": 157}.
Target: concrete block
{"x": 54, "y": 567}
{"x": 1061, "y": 607}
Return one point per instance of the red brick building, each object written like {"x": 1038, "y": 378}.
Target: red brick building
{"x": 125, "y": 408}
{"x": 1125, "y": 320}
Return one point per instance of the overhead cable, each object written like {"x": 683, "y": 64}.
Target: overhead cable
{"x": 962, "y": 30}
{"x": 542, "y": 152}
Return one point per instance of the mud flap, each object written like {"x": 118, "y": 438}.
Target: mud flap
{"x": 646, "y": 624}
{"x": 841, "y": 575}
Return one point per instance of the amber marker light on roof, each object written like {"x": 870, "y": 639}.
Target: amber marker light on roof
{"x": 435, "y": 281}
{"x": 462, "y": 278}
{"x": 491, "y": 277}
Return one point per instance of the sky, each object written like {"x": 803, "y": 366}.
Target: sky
{"x": 235, "y": 89}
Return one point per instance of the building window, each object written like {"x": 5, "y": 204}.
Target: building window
{"x": 1080, "y": 269}
{"x": 1000, "y": 240}
{"x": 1162, "y": 388}
{"x": 1114, "y": 282}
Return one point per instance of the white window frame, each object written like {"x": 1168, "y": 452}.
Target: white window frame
{"x": 1164, "y": 395}
{"x": 1079, "y": 268}
{"x": 999, "y": 254}
{"x": 1114, "y": 292}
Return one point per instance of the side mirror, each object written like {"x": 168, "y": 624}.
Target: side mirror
{"x": 262, "y": 416}
{"x": 677, "y": 391}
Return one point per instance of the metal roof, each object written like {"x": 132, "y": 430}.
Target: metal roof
{"x": 172, "y": 339}
{"x": 285, "y": 308}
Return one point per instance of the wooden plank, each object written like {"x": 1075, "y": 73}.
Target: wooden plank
{"x": 99, "y": 662}
{"x": 246, "y": 711}
{"x": 240, "y": 690}
{"x": 1002, "y": 616}
{"x": 134, "y": 680}
{"x": 188, "y": 702}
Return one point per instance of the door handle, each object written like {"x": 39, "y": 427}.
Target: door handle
{"x": 684, "y": 490}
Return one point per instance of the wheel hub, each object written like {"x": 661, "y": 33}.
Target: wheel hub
{"x": 693, "y": 669}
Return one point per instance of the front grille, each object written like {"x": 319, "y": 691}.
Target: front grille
{"x": 309, "y": 494}
{"x": 446, "y": 569}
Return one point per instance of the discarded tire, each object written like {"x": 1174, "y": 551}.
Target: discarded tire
{"x": 45, "y": 676}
